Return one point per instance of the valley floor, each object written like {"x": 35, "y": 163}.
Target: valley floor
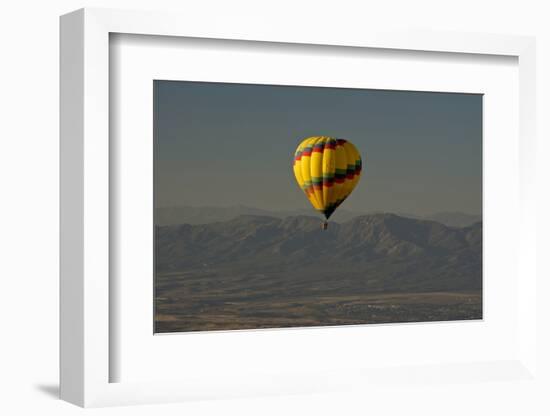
{"x": 209, "y": 312}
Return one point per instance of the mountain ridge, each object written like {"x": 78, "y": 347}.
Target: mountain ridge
{"x": 394, "y": 248}
{"x": 205, "y": 214}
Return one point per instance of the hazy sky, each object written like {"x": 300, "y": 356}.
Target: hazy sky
{"x": 233, "y": 144}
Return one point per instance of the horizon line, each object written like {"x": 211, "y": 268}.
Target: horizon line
{"x": 282, "y": 210}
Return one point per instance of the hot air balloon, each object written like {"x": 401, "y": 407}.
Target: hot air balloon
{"x": 327, "y": 170}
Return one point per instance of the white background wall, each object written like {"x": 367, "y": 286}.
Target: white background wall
{"x": 29, "y": 206}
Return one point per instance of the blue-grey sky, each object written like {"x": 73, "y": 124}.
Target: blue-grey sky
{"x": 219, "y": 144}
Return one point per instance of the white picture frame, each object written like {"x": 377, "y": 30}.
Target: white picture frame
{"x": 85, "y": 211}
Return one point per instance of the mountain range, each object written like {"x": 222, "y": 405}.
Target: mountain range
{"x": 380, "y": 251}
{"x": 206, "y": 214}
{"x": 258, "y": 271}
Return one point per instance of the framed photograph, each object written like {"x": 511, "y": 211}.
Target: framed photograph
{"x": 242, "y": 238}
{"x": 281, "y": 212}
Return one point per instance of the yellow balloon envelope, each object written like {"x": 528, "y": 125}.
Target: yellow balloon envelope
{"x": 327, "y": 169}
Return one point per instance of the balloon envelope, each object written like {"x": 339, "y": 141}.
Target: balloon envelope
{"x": 327, "y": 170}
